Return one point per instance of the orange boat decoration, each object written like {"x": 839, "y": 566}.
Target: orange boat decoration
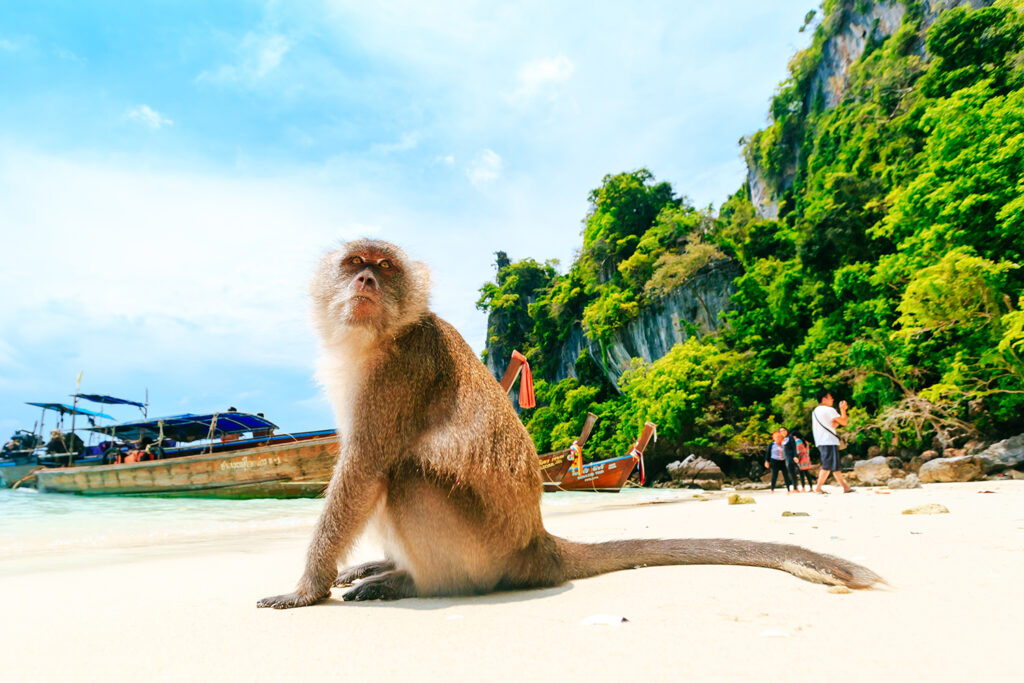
{"x": 606, "y": 475}
{"x": 554, "y": 465}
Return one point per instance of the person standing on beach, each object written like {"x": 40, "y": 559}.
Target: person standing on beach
{"x": 824, "y": 421}
{"x": 775, "y": 460}
{"x": 789, "y": 450}
{"x": 803, "y": 461}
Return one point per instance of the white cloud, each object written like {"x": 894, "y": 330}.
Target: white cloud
{"x": 67, "y": 55}
{"x": 407, "y": 142}
{"x": 540, "y": 74}
{"x": 149, "y": 117}
{"x": 270, "y": 52}
{"x": 192, "y": 263}
{"x": 485, "y": 168}
{"x": 9, "y": 45}
{"x": 447, "y": 160}
{"x": 256, "y": 57}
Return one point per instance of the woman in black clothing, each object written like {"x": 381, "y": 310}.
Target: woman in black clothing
{"x": 789, "y": 450}
{"x": 775, "y": 460}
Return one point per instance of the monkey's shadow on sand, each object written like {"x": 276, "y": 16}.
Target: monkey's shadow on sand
{"x": 420, "y": 604}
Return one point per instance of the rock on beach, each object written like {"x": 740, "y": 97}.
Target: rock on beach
{"x": 909, "y": 482}
{"x": 927, "y": 509}
{"x": 1002, "y": 455}
{"x": 962, "y": 468}
{"x": 737, "y": 499}
{"x": 696, "y": 470}
{"x": 874, "y": 471}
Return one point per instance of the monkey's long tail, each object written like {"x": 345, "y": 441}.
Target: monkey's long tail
{"x": 580, "y": 560}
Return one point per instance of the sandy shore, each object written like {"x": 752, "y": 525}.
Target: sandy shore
{"x": 952, "y": 612}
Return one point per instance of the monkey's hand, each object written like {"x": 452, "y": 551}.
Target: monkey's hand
{"x": 289, "y": 600}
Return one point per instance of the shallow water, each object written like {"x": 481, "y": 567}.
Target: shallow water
{"x": 46, "y": 530}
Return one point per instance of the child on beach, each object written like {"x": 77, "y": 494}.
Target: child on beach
{"x": 776, "y": 461}
{"x": 803, "y": 461}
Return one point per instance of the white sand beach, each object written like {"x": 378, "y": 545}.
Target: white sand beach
{"x": 951, "y": 613}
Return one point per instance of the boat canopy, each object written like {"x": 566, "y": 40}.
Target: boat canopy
{"x": 65, "y": 409}
{"x": 188, "y": 427}
{"x": 111, "y": 400}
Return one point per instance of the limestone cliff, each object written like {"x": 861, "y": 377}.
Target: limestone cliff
{"x": 849, "y": 29}
{"x": 692, "y": 308}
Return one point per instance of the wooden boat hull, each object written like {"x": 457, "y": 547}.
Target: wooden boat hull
{"x": 603, "y": 475}
{"x": 296, "y": 469}
{"x": 11, "y": 473}
{"x": 553, "y": 466}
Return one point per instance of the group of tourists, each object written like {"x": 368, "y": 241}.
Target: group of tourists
{"x": 789, "y": 454}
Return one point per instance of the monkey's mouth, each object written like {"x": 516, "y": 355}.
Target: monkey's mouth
{"x": 363, "y": 303}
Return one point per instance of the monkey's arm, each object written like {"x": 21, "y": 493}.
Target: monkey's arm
{"x": 350, "y": 499}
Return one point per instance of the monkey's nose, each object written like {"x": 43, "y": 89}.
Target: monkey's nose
{"x": 366, "y": 280}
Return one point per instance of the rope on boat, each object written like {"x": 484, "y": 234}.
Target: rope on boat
{"x": 213, "y": 429}
{"x": 23, "y": 479}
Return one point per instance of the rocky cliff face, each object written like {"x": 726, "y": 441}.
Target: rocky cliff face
{"x": 692, "y": 308}
{"x": 859, "y": 24}
{"x": 878, "y": 21}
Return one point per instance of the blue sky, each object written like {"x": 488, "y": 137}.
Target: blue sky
{"x": 170, "y": 171}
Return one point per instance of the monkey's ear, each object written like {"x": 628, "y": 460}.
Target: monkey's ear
{"x": 417, "y": 297}
{"x": 421, "y": 275}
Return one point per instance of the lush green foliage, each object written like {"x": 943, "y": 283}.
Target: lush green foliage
{"x": 891, "y": 275}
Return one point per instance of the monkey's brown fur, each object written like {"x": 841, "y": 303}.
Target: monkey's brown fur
{"x": 433, "y": 454}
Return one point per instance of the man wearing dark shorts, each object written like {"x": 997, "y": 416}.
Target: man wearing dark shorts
{"x": 824, "y": 421}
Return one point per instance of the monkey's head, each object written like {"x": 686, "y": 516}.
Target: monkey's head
{"x": 368, "y": 285}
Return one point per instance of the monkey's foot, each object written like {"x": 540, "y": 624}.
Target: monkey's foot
{"x": 289, "y": 600}
{"x": 391, "y": 585}
{"x": 346, "y": 577}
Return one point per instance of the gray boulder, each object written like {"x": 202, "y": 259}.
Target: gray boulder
{"x": 974, "y": 447}
{"x": 963, "y": 468}
{"x": 874, "y": 472}
{"x": 696, "y": 470}
{"x": 1003, "y": 454}
{"x": 909, "y": 482}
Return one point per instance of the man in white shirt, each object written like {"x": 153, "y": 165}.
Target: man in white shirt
{"x": 824, "y": 421}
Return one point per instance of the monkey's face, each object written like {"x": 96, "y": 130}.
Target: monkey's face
{"x": 368, "y": 284}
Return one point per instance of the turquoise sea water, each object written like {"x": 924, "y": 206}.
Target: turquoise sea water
{"x": 44, "y": 530}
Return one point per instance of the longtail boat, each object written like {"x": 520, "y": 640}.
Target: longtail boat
{"x": 555, "y": 464}
{"x": 605, "y": 475}
{"x": 18, "y": 458}
{"x": 264, "y": 465}
{"x": 25, "y": 452}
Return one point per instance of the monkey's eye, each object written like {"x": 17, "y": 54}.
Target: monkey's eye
{"x": 384, "y": 264}
{"x": 356, "y": 261}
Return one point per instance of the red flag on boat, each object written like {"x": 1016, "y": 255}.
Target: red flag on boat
{"x": 526, "y": 397}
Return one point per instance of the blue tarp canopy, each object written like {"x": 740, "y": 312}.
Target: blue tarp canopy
{"x": 111, "y": 400}
{"x": 188, "y": 427}
{"x": 64, "y": 409}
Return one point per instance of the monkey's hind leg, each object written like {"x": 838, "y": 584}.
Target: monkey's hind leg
{"x": 349, "y": 575}
{"x": 391, "y": 585}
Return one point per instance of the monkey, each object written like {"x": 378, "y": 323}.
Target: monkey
{"x": 433, "y": 455}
